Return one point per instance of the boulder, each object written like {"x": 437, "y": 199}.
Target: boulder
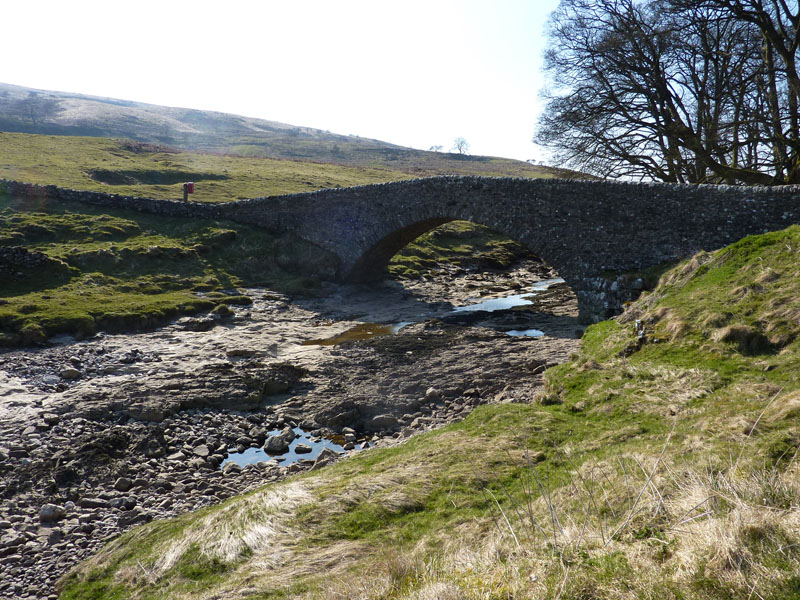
{"x": 276, "y": 444}
{"x": 384, "y": 422}
{"x": 50, "y": 513}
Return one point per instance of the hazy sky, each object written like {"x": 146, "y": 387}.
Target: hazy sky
{"x": 415, "y": 73}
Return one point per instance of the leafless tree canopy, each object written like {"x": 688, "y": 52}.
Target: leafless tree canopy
{"x": 675, "y": 90}
{"x": 460, "y": 145}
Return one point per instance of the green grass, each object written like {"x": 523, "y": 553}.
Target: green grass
{"x": 665, "y": 467}
{"x": 132, "y": 169}
{"x": 129, "y": 168}
{"x": 459, "y": 244}
{"x": 114, "y": 270}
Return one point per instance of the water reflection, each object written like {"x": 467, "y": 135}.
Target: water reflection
{"x": 303, "y": 439}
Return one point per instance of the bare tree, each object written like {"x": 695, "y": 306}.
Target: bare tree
{"x": 778, "y": 22}
{"x": 460, "y": 145}
{"x": 672, "y": 90}
{"x": 35, "y": 108}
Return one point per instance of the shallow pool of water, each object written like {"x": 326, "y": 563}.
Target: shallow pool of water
{"x": 507, "y": 302}
{"x": 256, "y": 455}
{"x": 525, "y": 333}
{"x": 362, "y": 331}
{"x": 366, "y": 331}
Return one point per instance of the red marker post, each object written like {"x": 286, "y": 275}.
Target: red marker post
{"x": 188, "y": 188}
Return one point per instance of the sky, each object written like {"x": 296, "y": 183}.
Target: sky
{"x": 416, "y": 73}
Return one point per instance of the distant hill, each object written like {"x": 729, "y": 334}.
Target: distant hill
{"x": 27, "y": 110}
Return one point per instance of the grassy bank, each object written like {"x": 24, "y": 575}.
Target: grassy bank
{"x": 83, "y": 269}
{"x": 660, "y": 462}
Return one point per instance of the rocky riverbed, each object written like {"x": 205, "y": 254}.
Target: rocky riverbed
{"x": 99, "y": 435}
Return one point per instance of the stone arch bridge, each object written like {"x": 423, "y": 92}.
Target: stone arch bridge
{"x": 596, "y": 234}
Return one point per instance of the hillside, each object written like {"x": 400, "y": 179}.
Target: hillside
{"x": 134, "y": 168}
{"x": 26, "y": 110}
{"x": 660, "y": 462}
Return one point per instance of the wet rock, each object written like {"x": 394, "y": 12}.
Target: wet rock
{"x": 276, "y": 444}
{"x": 302, "y": 449}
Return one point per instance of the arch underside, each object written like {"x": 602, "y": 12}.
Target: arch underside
{"x": 372, "y": 264}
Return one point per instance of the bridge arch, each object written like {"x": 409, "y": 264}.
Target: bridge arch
{"x": 373, "y": 263}
{"x": 597, "y": 234}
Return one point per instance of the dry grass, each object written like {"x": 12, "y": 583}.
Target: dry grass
{"x": 745, "y": 338}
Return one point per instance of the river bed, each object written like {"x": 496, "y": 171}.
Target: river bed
{"x": 99, "y": 435}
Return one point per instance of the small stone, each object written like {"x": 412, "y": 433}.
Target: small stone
{"x": 302, "y": 449}
{"x": 231, "y": 468}
{"x": 384, "y": 422}
{"x": 325, "y": 457}
{"x": 123, "y": 484}
{"x": 50, "y": 418}
{"x": 92, "y": 503}
{"x": 432, "y": 394}
{"x": 70, "y": 373}
{"x": 202, "y": 451}
{"x": 122, "y": 503}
